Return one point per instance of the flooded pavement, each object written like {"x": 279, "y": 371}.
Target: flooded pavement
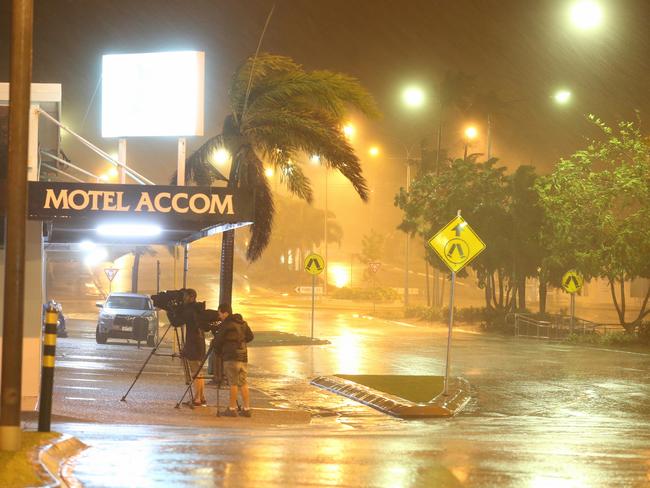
{"x": 542, "y": 415}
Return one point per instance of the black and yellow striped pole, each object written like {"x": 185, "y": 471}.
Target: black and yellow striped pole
{"x": 47, "y": 373}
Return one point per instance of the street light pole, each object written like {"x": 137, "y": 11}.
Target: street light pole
{"x": 408, "y": 237}
{"x": 22, "y": 15}
{"x": 326, "y": 230}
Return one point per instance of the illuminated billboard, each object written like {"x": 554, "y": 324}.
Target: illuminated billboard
{"x": 153, "y": 94}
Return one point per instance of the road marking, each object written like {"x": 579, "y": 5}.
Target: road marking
{"x": 81, "y": 399}
{"x": 77, "y": 387}
{"x": 86, "y": 379}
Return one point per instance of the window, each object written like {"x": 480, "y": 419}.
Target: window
{"x": 133, "y": 303}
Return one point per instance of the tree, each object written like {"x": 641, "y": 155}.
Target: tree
{"x": 297, "y": 226}
{"x": 480, "y": 190}
{"x": 527, "y": 221}
{"x": 598, "y": 206}
{"x": 138, "y": 252}
{"x": 278, "y": 110}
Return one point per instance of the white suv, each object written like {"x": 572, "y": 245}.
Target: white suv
{"x": 127, "y": 316}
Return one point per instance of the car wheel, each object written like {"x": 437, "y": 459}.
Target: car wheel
{"x": 151, "y": 341}
{"x": 99, "y": 337}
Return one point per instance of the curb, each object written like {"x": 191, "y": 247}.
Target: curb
{"x": 440, "y": 406}
{"x": 53, "y": 460}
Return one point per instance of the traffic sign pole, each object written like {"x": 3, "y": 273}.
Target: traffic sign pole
{"x": 457, "y": 245}
{"x": 313, "y": 300}
{"x": 573, "y": 311}
{"x": 451, "y": 325}
{"x": 314, "y": 265}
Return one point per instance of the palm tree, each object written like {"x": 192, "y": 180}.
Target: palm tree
{"x": 277, "y": 111}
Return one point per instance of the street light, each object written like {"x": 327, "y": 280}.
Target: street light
{"x": 221, "y": 156}
{"x": 413, "y": 97}
{"x": 373, "y": 151}
{"x": 471, "y": 133}
{"x": 586, "y": 14}
{"x": 349, "y": 130}
{"x": 269, "y": 172}
{"x": 562, "y": 97}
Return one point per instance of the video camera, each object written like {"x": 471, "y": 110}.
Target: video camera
{"x": 171, "y": 301}
{"x": 168, "y": 300}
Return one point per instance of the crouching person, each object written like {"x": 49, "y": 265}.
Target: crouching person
{"x": 230, "y": 343}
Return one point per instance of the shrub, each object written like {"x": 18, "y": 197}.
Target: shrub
{"x": 376, "y": 294}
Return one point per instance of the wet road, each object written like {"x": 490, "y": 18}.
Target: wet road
{"x": 543, "y": 415}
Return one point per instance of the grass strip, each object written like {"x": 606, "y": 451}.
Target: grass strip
{"x": 19, "y": 469}
{"x": 417, "y": 389}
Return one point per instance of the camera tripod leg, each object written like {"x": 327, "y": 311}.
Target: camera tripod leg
{"x": 144, "y": 365}
{"x": 196, "y": 375}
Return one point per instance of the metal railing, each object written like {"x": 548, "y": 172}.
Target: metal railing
{"x": 556, "y": 326}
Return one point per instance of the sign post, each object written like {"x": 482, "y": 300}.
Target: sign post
{"x": 314, "y": 264}
{"x": 373, "y": 267}
{"x": 110, "y": 274}
{"x": 457, "y": 245}
{"x": 572, "y": 282}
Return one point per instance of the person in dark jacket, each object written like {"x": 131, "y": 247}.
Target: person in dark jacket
{"x": 194, "y": 348}
{"x": 230, "y": 342}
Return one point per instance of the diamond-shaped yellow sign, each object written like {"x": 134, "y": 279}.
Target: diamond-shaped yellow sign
{"x": 572, "y": 281}
{"x": 314, "y": 264}
{"x": 457, "y": 244}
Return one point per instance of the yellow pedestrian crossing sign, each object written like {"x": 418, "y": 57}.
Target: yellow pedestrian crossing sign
{"x": 314, "y": 264}
{"x": 457, "y": 244}
{"x": 572, "y": 281}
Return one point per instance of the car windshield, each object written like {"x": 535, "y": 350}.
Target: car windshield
{"x": 133, "y": 303}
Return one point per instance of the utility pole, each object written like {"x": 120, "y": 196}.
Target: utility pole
{"x": 408, "y": 238}
{"x": 22, "y": 15}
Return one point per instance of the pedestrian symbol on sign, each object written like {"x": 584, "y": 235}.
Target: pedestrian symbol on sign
{"x": 314, "y": 264}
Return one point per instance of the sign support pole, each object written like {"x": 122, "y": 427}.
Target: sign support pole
{"x": 313, "y": 300}
{"x": 180, "y": 166}
{"x": 573, "y": 311}
{"x": 22, "y": 17}
{"x": 121, "y": 157}
{"x": 451, "y": 324}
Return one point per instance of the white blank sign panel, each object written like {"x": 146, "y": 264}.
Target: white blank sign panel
{"x": 153, "y": 94}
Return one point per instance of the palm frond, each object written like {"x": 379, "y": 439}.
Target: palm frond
{"x": 199, "y": 168}
{"x": 263, "y": 207}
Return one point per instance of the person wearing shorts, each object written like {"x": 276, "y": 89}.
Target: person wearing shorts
{"x": 230, "y": 343}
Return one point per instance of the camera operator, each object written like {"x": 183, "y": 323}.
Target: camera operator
{"x": 194, "y": 349}
{"x": 230, "y": 343}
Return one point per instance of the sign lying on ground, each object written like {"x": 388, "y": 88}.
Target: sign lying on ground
{"x": 314, "y": 264}
{"x": 572, "y": 281}
{"x": 457, "y": 244}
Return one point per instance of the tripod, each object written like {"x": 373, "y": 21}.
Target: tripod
{"x": 178, "y": 338}
{"x": 220, "y": 380}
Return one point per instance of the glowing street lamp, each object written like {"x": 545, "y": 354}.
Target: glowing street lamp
{"x": 113, "y": 172}
{"x": 349, "y": 130}
{"x": 374, "y": 151}
{"x": 562, "y": 97}
{"x": 314, "y": 159}
{"x": 413, "y": 97}
{"x": 221, "y": 156}
{"x": 586, "y": 14}
{"x": 269, "y": 172}
{"x": 471, "y": 133}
